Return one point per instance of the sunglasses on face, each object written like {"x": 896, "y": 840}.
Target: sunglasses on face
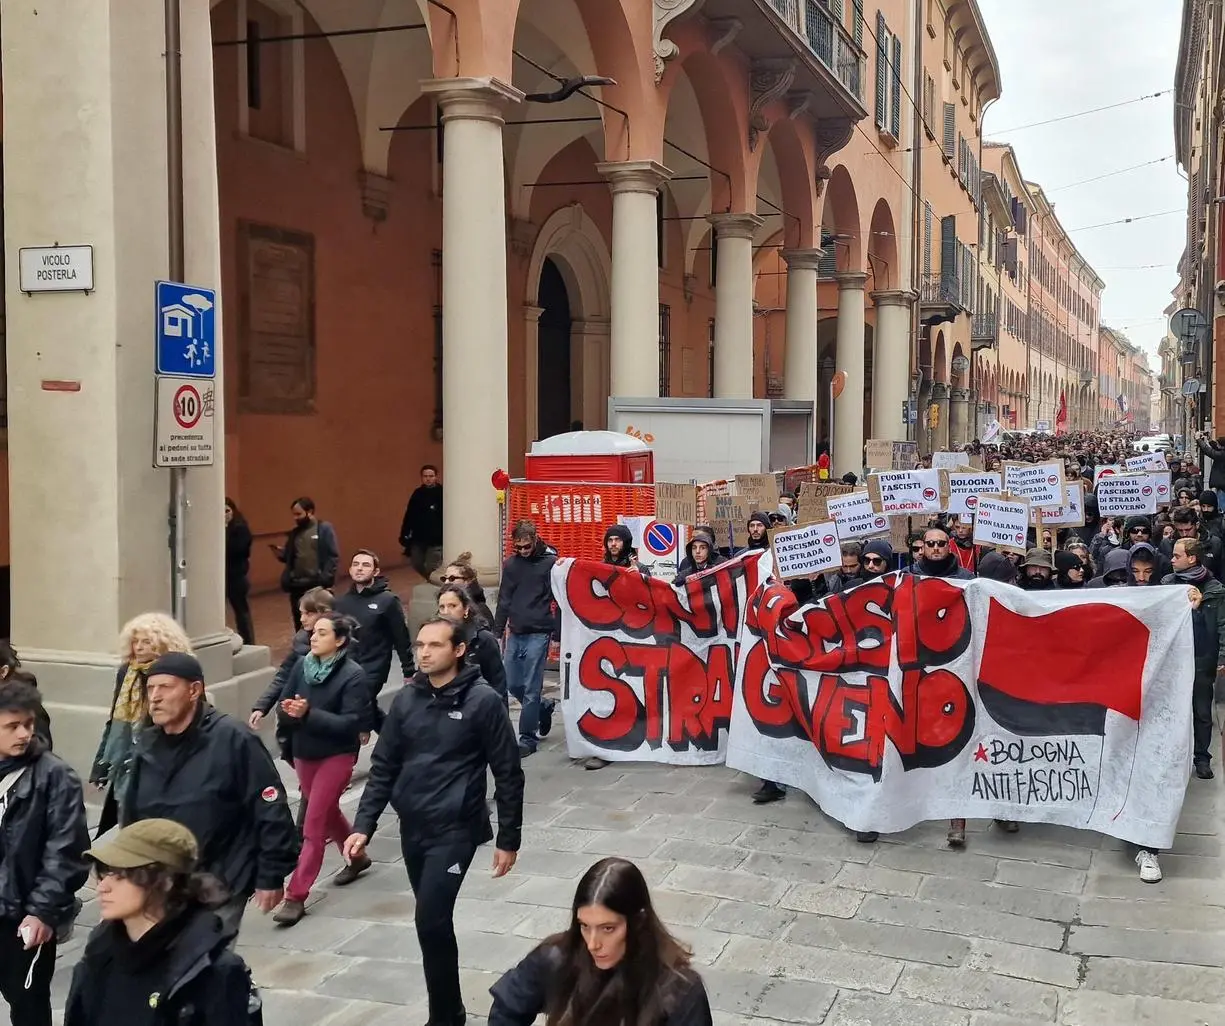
{"x": 937, "y": 544}
{"x": 873, "y": 561}
{"x": 1139, "y": 530}
{"x": 524, "y": 548}
{"x": 916, "y": 549}
{"x": 451, "y": 578}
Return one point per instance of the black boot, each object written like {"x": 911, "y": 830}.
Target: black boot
{"x": 768, "y": 792}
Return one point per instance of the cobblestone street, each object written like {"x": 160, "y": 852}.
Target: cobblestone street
{"x": 790, "y": 919}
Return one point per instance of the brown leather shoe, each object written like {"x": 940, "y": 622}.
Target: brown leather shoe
{"x": 351, "y": 871}
{"x": 290, "y": 913}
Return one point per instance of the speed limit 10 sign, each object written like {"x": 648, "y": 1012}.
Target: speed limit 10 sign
{"x": 184, "y": 422}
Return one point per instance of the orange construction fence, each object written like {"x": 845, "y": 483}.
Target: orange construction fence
{"x": 572, "y": 515}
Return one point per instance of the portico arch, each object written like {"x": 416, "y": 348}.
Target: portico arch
{"x": 571, "y": 240}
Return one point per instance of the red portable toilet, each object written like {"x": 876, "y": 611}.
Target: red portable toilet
{"x": 591, "y": 456}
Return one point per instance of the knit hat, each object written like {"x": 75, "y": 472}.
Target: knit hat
{"x": 1208, "y": 499}
{"x": 995, "y": 566}
{"x": 1065, "y": 561}
{"x": 1039, "y": 557}
{"x": 879, "y": 547}
{"x": 178, "y": 664}
{"x": 149, "y": 842}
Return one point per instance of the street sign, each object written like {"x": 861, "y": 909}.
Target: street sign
{"x": 1043, "y": 425}
{"x": 1190, "y": 386}
{"x": 185, "y": 329}
{"x": 56, "y": 268}
{"x": 659, "y": 539}
{"x": 910, "y": 411}
{"x": 184, "y": 422}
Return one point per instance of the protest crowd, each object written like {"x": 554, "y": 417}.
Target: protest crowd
{"x": 196, "y": 824}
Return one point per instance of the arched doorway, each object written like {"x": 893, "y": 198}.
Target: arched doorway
{"x": 553, "y": 415}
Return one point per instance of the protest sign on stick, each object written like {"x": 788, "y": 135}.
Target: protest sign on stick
{"x": 1040, "y": 484}
{"x": 804, "y": 551}
{"x": 1001, "y": 521}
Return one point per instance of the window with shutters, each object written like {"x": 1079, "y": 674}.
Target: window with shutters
{"x": 950, "y": 130}
{"x": 882, "y": 72}
{"x": 948, "y": 257}
{"x": 895, "y": 111}
{"x": 929, "y": 105}
{"x": 828, "y": 268}
{"x": 857, "y": 22}
{"x": 665, "y": 349}
{"x": 928, "y": 218}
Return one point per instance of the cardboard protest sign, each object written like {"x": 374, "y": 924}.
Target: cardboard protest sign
{"x": 803, "y": 551}
{"x": 882, "y": 454}
{"x": 676, "y": 503}
{"x": 1072, "y": 514}
{"x": 812, "y": 500}
{"x": 1040, "y": 484}
{"x": 909, "y": 491}
{"x": 899, "y": 533}
{"x": 854, "y": 517}
{"x": 950, "y": 460}
{"x": 1145, "y": 462}
{"x": 1002, "y": 523}
{"x": 1107, "y": 470}
{"x": 760, "y": 489}
{"x": 729, "y": 519}
{"x": 965, "y": 488}
{"x": 1125, "y": 495}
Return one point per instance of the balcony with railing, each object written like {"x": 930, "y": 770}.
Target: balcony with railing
{"x": 984, "y": 330}
{"x": 830, "y": 65}
{"x": 940, "y": 298}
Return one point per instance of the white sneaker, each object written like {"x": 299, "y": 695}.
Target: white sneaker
{"x": 1150, "y": 868}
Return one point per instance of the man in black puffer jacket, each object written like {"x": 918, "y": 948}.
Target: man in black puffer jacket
{"x": 207, "y": 771}
{"x": 381, "y": 625}
{"x": 42, "y": 858}
{"x": 443, "y": 733}
{"x": 619, "y": 546}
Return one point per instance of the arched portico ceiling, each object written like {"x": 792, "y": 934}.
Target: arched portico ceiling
{"x": 840, "y": 217}
{"x": 883, "y": 255}
{"x": 789, "y": 151}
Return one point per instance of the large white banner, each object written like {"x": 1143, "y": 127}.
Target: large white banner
{"x": 904, "y": 700}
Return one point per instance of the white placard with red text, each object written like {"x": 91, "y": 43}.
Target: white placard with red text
{"x": 965, "y": 488}
{"x": 854, "y": 517}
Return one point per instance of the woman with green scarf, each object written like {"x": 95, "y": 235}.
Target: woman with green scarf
{"x": 325, "y": 708}
{"x": 143, "y": 639}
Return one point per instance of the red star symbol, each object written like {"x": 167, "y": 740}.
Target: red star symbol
{"x": 980, "y": 753}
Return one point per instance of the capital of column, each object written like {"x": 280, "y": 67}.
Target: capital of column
{"x": 735, "y": 226}
{"x": 848, "y": 280}
{"x": 894, "y": 297}
{"x": 472, "y": 99}
{"x": 634, "y": 175}
{"x": 803, "y": 259}
{"x": 531, "y": 313}
{"x": 960, "y": 395}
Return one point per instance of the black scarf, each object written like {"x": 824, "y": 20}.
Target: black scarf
{"x": 1196, "y": 576}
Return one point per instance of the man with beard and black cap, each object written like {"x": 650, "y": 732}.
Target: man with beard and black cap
{"x": 1210, "y": 521}
{"x": 937, "y": 560}
{"x": 759, "y": 533}
{"x": 877, "y": 559}
{"x": 1037, "y": 571}
{"x": 619, "y": 547}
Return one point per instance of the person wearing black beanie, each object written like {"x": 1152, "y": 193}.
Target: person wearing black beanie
{"x": 1210, "y": 520}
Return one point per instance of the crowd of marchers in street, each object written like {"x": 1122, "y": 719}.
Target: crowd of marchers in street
{"x": 196, "y": 825}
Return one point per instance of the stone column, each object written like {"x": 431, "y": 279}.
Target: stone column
{"x": 958, "y": 416}
{"x": 474, "y": 310}
{"x": 800, "y": 358}
{"x": 589, "y": 373}
{"x": 891, "y": 365}
{"x": 87, "y": 165}
{"x": 734, "y": 304}
{"x": 848, "y": 407}
{"x": 942, "y": 434}
{"x": 531, "y": 369}
{"x": 635, "y": 276}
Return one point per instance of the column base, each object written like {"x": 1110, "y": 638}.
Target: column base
{"x": 77, "y": 689}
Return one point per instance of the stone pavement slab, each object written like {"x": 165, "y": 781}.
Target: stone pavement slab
{"x": 791, "y": 920}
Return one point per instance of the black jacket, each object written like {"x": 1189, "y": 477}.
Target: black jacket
{"x": 298, "y": 648}
{"x": 219, "y": 781}
{"x": 382, "y": 628}
{"x": 947, "y": 567}
{"x": 328, "y": 553}
{"x": 43, "y": 838}
{"x": 430, "y": 764}
{"x": 422, "y": 523}
{"x": 237, "y": 557}
{"x": 525, "y": 596}
{"x": 185, "y": 962}
{"x": 486, "y": 654}
{"x": 1217, "y": 478}
{"x": 523, "y": 993}
{"x": 339, "y": 710}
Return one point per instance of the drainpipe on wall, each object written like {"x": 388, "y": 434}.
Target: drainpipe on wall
{"x": 916, "y": 211}
{"x": 1208, "y": 281}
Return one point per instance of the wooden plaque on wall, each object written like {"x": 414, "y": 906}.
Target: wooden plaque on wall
{"x": 276, "y": 282}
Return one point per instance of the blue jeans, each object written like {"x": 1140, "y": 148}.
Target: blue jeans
{"x": 525, "y": 656}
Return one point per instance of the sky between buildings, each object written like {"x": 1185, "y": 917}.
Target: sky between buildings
{"x": 1060, "y": 57}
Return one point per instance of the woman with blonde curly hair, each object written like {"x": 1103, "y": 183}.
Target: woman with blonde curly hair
{"x": 143, "y": 639}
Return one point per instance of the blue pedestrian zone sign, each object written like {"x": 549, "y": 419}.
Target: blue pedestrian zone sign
{"x": 185, "y": 329}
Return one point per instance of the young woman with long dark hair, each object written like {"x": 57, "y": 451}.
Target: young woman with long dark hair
{"x": 617, "y": 964}
{"x": 455, "y": 602}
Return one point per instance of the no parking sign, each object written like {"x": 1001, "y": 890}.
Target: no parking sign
{"x": 659, "y": 539}
{"x": 660, "y": 546}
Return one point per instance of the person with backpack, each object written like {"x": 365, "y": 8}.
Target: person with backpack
{"x": 42, "y": 856}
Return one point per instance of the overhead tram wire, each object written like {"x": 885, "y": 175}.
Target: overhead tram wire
{"x": 1109, "y": 174}
{"x": 1082, "y": 113}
